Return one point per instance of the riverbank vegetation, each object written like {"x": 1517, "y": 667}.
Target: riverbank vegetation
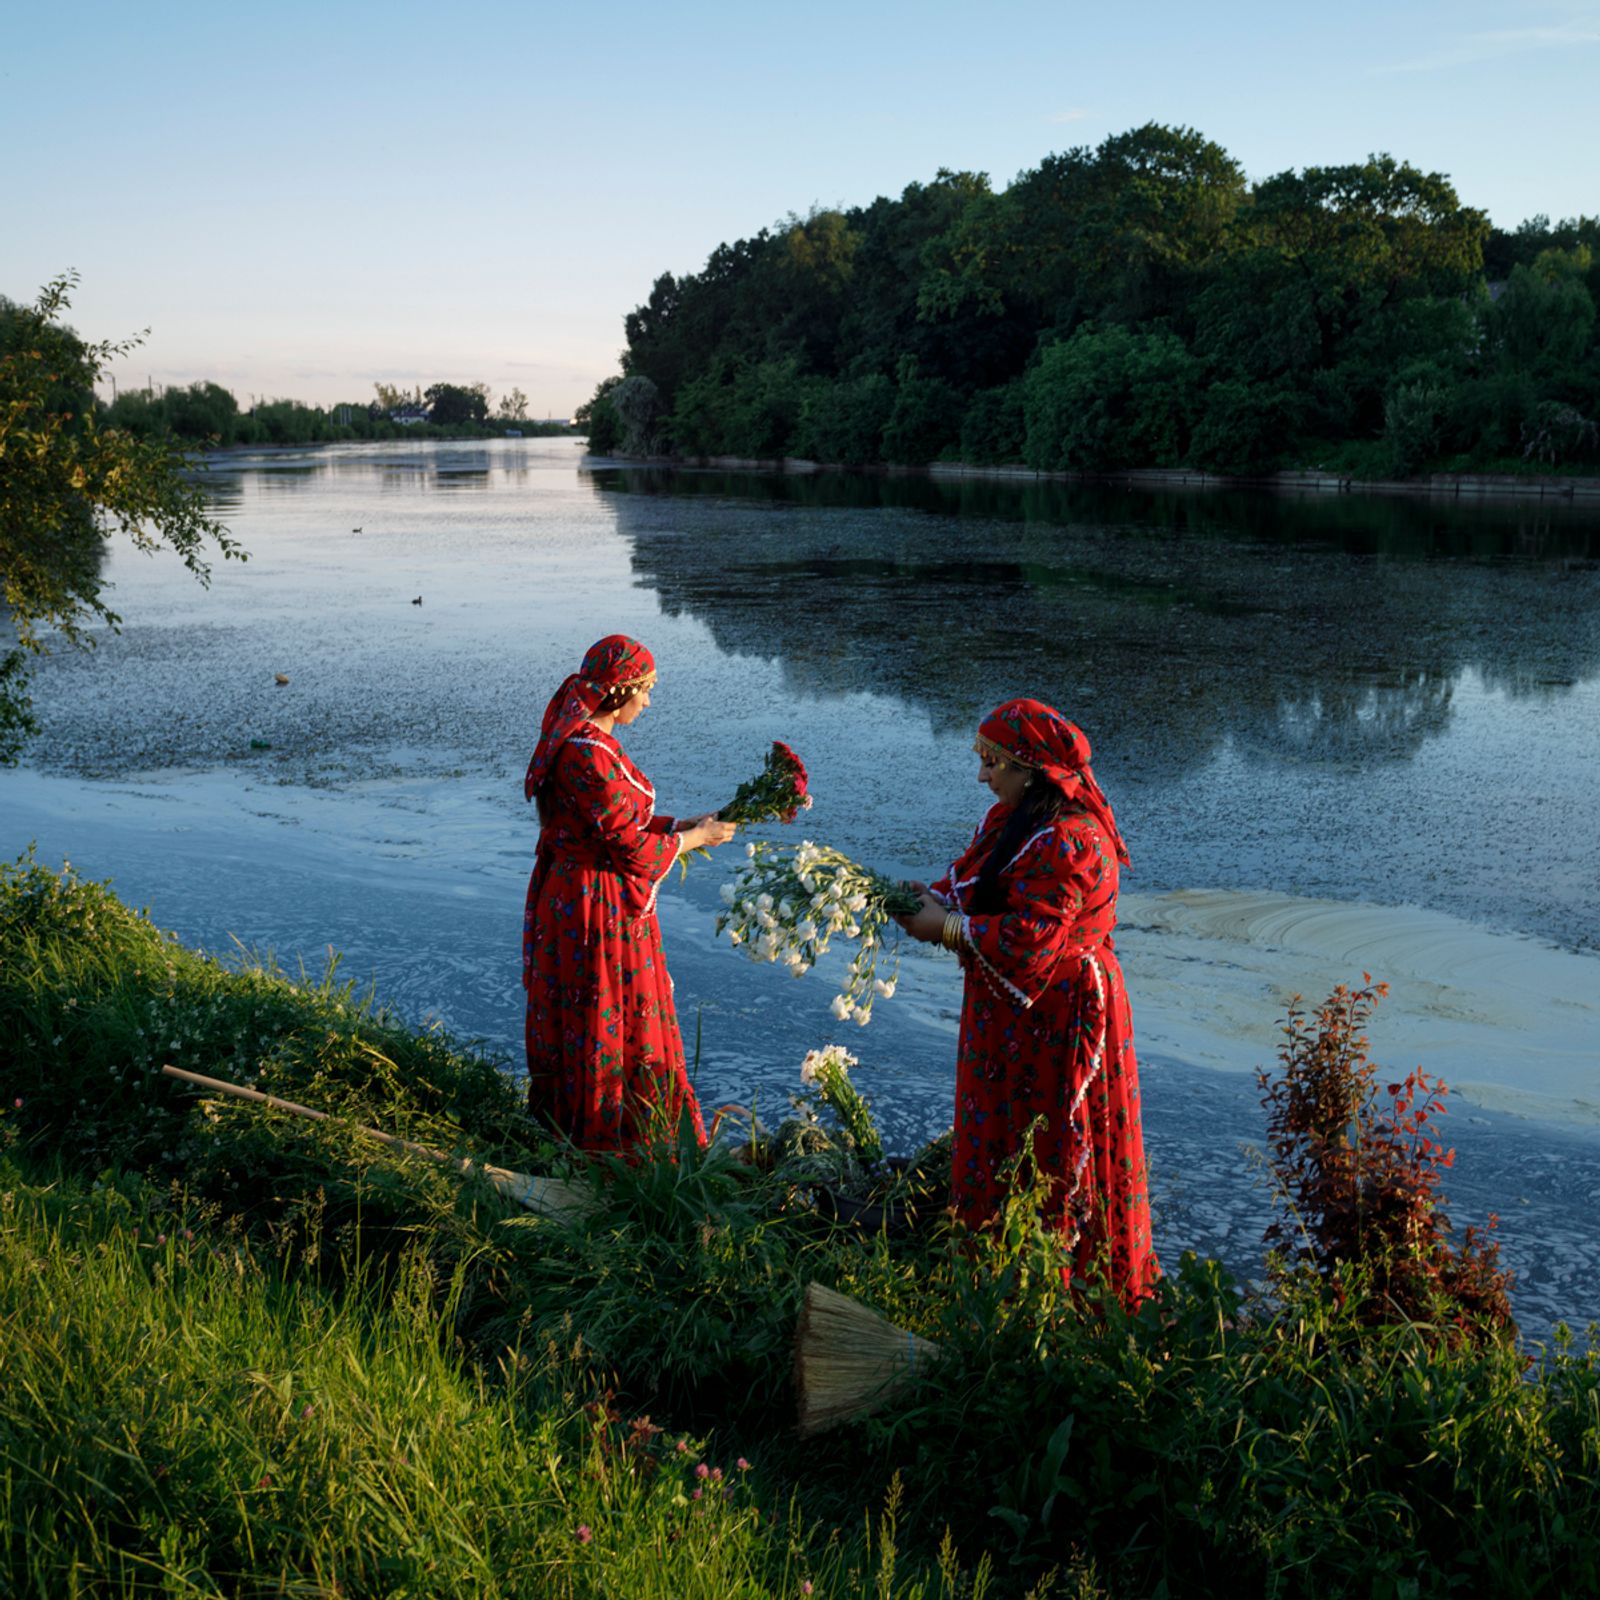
{"x": 1142, "y": 304}
{"x": 67, "y": 482}
{"x": 205, "y": 415}
{"x": 250, "y": 1354}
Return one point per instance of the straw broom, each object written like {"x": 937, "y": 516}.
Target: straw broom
{"x": 550, "y": 1197}
{"x": 849, "y": 1360}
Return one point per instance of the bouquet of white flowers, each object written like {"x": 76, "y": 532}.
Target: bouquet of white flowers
{"x": 788, "y": 903}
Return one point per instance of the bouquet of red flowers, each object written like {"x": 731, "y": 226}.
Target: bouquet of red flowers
{"x": 778, "y": 793}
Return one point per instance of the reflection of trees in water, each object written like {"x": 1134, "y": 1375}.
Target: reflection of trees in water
{"x": 1354, "y": 722}
{"x": 1163, "y": 625}
{"x": 1396, "y": 526}
{"x": 399, "y": 466}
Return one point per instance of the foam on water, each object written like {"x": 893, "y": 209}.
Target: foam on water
{"x": 1509, "y": 1021}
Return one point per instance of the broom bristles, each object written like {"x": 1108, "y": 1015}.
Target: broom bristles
{"x": 849, "y": 1360}
{"x": 555, "y": 1198}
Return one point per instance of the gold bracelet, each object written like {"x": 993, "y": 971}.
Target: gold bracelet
{"x": 954, "y": 935}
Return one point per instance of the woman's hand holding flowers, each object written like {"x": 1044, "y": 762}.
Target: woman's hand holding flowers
{"x": 927, "y": 921}
{"x": 704, "y": 832}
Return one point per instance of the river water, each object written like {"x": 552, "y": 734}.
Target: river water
{"x": 1341, "y": 734}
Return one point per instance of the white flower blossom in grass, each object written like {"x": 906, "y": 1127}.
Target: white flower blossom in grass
{"x": 841, "y": 1006}
{"x": 825, "y": 1074}
{"x": 885, "y": 987}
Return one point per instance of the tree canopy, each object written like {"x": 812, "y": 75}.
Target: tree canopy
{"x": 67, "y": 484}
{"x": 1137, "y": 304}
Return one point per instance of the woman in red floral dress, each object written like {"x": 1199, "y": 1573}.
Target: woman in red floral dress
{"x": 605, "y": 1058}
{"x": 1045, "y": 1026}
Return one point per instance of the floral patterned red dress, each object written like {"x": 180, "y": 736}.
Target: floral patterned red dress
{"x": 605, "y": 1058}
{"x": 1046, "y": 1030}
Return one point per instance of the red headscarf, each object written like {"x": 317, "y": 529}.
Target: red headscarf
{"x": 615, "y": 662}
{"x": 1034, "y": 735}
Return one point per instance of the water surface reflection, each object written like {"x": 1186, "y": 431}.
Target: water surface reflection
{"x": 1320, "y": 648}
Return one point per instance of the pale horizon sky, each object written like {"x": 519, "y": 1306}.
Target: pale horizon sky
{"x": 305, "y": 200}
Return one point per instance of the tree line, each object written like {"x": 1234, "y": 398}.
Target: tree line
{"x": 1139, "y": 304}
{"x": 207, "y": 415}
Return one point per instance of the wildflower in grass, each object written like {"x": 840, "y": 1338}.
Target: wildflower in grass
{"x": 583, "y": 1533}
{"x": 805, "y": 1586}
{"x": 791, "y": 901}
{"x": 826, "y": 1075}
{"x": 742, "y": 1464}
{"x": 698, "y": 1494}
{"x": 702, "y": 1471}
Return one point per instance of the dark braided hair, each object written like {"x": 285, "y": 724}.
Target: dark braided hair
{"x": 1042, "y": 802}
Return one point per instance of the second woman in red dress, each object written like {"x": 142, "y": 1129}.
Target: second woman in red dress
{"x": 1045, "y": 1026}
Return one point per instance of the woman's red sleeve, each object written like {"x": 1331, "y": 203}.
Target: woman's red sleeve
{"x": 1047, "y": 885}
{"x": 601, "y": 790}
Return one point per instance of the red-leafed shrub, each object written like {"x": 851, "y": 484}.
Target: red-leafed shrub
{"x": 1358, "y": 1169}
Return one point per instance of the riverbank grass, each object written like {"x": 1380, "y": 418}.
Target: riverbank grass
{"x": 246, "y": 1354}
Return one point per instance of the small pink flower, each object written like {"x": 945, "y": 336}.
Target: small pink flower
{"x": 306, "y": 1410}
{"x": 716, "y": 1474}
{"x": 188, "y": 1233}
{"x": 742, "y": 1464}
{"x": 703, "y": 1471}
{"x": 161, "y": 1238}
{"x": 682, "y": 1447}
{"x": 697, "y": 1494}
{"x": 584, "y": 1533}
{"x": 805, "y": 1586}
{"x": 265, "y": 1481}
{"x": 18, "y": 1102}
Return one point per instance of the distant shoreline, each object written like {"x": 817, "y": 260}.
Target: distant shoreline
{"x": 1584, "y": 491}
{"x": 224, "y": 452}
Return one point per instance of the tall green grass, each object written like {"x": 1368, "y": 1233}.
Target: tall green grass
{"x": 476, "y": 1376}
{"x": 181, "y": 1416}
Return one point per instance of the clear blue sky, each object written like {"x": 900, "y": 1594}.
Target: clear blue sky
{"x": 301, "y": 199}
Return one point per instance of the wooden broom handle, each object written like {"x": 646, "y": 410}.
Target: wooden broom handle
{"x": 239, "y": 1092}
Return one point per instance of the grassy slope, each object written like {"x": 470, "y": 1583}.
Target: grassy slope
{"x": 474, "y": 1376}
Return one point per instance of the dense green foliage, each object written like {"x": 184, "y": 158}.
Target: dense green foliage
{"x": 247, "y": 1354}
{"x": 1141, "y": 304}
{"x": 67, "y": 482}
